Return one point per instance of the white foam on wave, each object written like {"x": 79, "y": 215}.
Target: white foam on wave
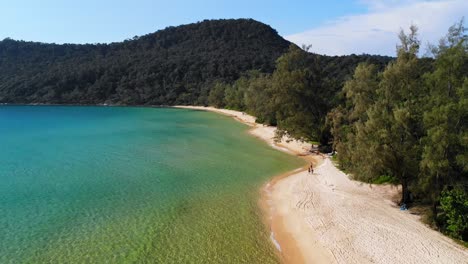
{"x": 275, "y": 242}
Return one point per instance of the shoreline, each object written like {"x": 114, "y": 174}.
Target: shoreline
{"x": 327, "y": 217}
{"x": 281, "y": 236}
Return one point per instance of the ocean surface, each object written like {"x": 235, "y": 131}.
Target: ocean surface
{"x": 132, "y": 185}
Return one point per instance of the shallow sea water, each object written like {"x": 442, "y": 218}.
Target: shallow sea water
{"x": 132, "y": 185}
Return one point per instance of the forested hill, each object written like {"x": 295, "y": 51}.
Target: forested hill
{"x": 177, "y": 65}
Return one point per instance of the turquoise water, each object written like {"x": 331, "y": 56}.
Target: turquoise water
{"x": 131, "y": 185}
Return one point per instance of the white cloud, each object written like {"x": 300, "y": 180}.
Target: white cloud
{"x": 376, "y": 32}
{"x": 377, "y": 5}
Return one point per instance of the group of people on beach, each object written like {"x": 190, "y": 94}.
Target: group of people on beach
{"x": 311, "y": 168}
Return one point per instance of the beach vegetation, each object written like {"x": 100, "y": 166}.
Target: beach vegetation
{"x": 409, "y": 123}
{"x": 454, "y": 213}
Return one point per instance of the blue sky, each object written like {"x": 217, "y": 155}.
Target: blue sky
{"x": 324, "y": 24}
{"x": 105, "y": 21}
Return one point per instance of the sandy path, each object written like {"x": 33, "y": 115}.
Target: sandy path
{"x": 327, "y": 218}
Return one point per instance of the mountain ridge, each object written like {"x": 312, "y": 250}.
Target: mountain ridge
{"x": 176, "y": 65}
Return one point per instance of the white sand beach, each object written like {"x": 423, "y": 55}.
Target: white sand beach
{"x": 325, "y": 217}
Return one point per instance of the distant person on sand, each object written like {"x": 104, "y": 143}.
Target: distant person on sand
{"x": 311, "y": 169}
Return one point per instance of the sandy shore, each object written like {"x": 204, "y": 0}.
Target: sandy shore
{"x": 351, "y": 222}
{"x": 328, "y": 218}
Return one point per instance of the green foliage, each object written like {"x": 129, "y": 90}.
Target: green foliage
{"x": 177, "y": 65}
{"x": 346, "y": 121}
{"x": 301, "y": 91}
{"x": 217, "y": 95}
{"x": 293, "y": 94}
{"x": 454, "y": 204}
{"x": 235, "y": 94}
{"x": 445, "y": 119}
{"x": 409, "y": 123}
{"x": 383, "y": 179}
{"x": 378, "y": 130}
{"x": 258, "y": 98}
{"x": 394, "y": 126}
